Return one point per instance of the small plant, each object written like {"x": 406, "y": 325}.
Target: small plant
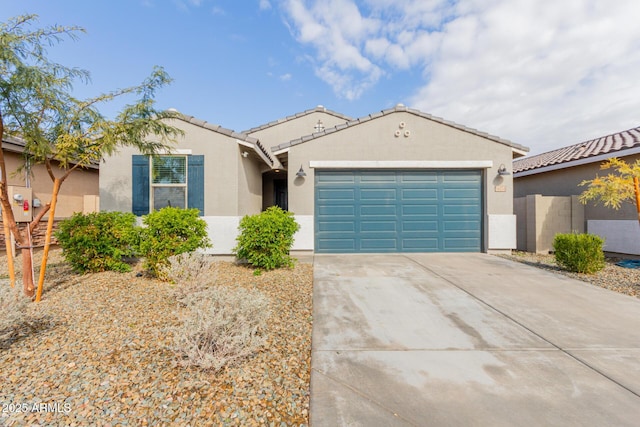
{"x": 580, "y": 253}
{"x": 265, "y": 239}
{"x": 168, "y": 232}
{"x": 223, "y": 326}
{"x": 190, "y": 271}
{"x": 98, "y": 241}
{"x": 13, "y": 307}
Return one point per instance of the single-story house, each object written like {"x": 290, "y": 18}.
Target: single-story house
{"x": 547, "y": 186}
{"x": 398, "y": 180}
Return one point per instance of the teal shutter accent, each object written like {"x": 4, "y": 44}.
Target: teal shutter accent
{"x": 195, "y": 183}
{"x": 140, "y": 184}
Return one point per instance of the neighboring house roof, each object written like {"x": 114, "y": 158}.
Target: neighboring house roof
{"x": 596, "y": 150}
{"x": 241, "y": 137}
{"x": 16, "y": 145}
{"x": 318, "y": 109}
{"x": 520, "y": 149}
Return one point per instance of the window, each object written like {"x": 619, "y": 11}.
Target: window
{"x": 172, "y": 180}
{"x": 169, "y": 181}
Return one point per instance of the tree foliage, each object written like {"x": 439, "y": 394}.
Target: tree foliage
{"x": 58, "y": 130}
{"x": 614, "y": 188}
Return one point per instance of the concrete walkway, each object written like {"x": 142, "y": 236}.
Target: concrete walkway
{"x": 468, "y": 340}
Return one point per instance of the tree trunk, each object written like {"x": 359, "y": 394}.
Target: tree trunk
{"x": 7, "y": 242}
{"x": 27, "y": 267}
{"x": 47, "y": 241}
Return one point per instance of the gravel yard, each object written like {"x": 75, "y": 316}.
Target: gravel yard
{"x": 612, "y": 277}
{"x": 102, "y": 353}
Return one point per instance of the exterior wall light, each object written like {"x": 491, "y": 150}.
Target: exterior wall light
{"x": 300, "y": 173}
{"x": 502, "y": 170}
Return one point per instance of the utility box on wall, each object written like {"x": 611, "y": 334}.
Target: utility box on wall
{"x": 21, "y": 199}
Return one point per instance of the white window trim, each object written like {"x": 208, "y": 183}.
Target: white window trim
{"x": 153, "y": 185}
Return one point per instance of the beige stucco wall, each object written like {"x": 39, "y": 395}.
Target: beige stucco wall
{"x": 540, "y": 218}
{"x": 295, "y": 128}
{"x": 232, "y": 183}
{"x": 565, "y": 182}
{"x": 376, "y": 140}
{"x": 80, "y": 183}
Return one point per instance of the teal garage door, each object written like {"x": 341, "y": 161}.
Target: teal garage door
{"x": 398, "y": 211}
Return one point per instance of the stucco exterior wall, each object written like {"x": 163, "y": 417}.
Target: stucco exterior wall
{"x": 232, "y": 183}
{"x": 376, "y": 140}
{"x": 295, "y": 128}
{"x": 249, "y": 186}
{"x": 540, "y": 218}
{"x": 81, "y": 183}
{"x": 426, "y": 140}
{"x": 565, "y": 182}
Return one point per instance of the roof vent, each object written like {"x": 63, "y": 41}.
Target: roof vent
{"x": 320, "y": 107}
{"x": 172, "y": 110}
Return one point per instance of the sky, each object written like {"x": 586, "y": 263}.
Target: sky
{"x": 541, "y": 73}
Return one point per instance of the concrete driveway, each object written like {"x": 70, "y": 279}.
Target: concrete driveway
{"x": 468, "y": 340}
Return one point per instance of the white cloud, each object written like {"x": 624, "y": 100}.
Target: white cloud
{"x": 542, "y": 73}
{"x": 265, "y": 5}
{"x": 285, "y": 77}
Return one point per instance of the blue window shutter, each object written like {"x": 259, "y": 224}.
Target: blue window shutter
{"x": 195, "y": 183}
{"x": 140, "y": 181}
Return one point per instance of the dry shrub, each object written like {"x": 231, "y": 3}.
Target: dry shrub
{"x": 190, "y": 272}
{"x": 13, "y": 306}
{"x": 223, "y": 326}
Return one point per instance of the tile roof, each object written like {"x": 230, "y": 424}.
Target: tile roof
{"x": 396, "y": 109}
{"x": 609, "y": 146}
{"x": 319, "y": 108}
{"x": 228, "y": 132}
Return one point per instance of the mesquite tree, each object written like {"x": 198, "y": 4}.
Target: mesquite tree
{"x": 60, "y": 131}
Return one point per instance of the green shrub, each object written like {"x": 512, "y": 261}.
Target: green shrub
{"x": 168, "y": 232}
{"x": 98, "y": 241}
{"x": 580, "y": 253}
{"x": 266, "y": 238}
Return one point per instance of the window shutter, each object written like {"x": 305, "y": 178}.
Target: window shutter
{"x": 195, "y": 183}
{"x": 140, "y": 183}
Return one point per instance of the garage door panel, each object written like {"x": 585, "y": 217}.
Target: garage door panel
{"x": 374, "y": 177}
{"x": 421, "y": 245}
{"x": 337, "y": 194}
{"x": 379, "y": 210}
{"x": 389, "y": 244}
{"x": 336, "y": 245}
{"x": 420, "y": 194}
{"x": 378, "y": 194}
{"x": 337, "y": 210}
{"x": 461, "y": 210}
{"x": 460, "y": 193}
{"x": 427, "y": 210}
{"x": 396, "y": 211}
{"x": 336, "y": 226}
{"x": 378, "y": 226}
{"x": 458, "y": 244}
{"x": 331, "y": 177}
{"x": 461, "y": 226}
{"x": 411, "y": 226}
